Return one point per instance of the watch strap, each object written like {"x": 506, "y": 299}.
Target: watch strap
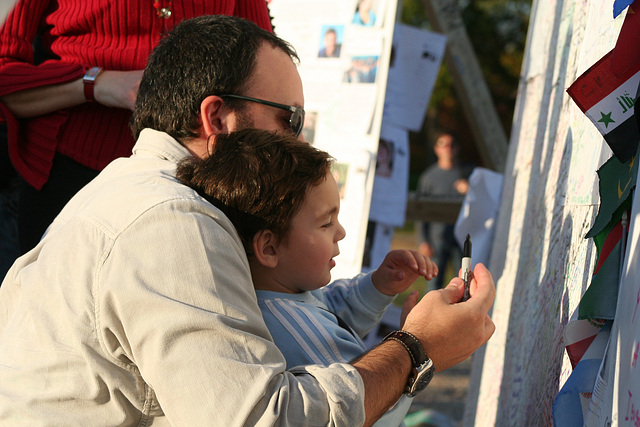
{"x": 411, "y": 344}
{"x": 89, "y": 81}
{"x": 419, "y": 361}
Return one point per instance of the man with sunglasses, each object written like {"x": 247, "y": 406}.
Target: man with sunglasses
{"x": 137, "y": 306}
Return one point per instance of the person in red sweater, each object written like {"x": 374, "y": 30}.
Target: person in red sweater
{"x": 68, "y": 116}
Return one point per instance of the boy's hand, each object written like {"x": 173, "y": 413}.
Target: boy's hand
{"x": 400, "y": 269}
{"x": 450, "y": 330}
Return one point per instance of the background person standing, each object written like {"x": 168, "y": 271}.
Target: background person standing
{"x": 447, "y": 178}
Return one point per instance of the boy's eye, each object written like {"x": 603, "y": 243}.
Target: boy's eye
{"x": 327, "y": 225}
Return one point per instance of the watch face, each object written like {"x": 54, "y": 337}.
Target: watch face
{"x": 423, "y": 377}
{"x": 92, "y": 74}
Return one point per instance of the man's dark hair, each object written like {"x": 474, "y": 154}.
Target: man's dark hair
{"x": 203, "y": 56}
{"x": 258, "y": 178}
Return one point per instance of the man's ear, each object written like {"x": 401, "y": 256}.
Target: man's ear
{"x": 265, "y": 247}
{"x": 213, "y": 116}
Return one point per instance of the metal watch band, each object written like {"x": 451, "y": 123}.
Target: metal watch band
{"x": 411, "y": 343}
{"x": 89, "y": 81}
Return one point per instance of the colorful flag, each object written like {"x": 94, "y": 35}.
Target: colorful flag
{"x": 608, "y": 94}
{"x": 616, "y": 181}
{"x": 601, "y": 297}
{"x": 579, "y": 335}
{"x": 607, "y": 91}
{"x": 572, "y": 401}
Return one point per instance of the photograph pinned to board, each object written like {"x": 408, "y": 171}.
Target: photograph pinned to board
{"x": 362, "y": 51}
{"x": 300, "y": 21}
{"x": 332, "y": 37}
{"x": 362, "y": 69}
{"x": 390, "y": 186}
{"x": 368, "y": 13}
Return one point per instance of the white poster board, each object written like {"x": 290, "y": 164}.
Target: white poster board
{"x": 344, "y": 89}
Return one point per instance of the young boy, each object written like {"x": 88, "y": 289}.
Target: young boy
{"x": 283, "y": 200}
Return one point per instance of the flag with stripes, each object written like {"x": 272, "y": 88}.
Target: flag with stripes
{"x": 616, "y": 182}
{"x": 601, "y": 297}
{"x": 607, "y": 91}
{"x": 590, "y": 340}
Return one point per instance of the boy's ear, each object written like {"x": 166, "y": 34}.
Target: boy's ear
{"x": 265, "y": 248}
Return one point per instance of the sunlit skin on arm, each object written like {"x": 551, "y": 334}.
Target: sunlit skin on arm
{"x": 112, "y": 88}
{"x": 436, "y": 321}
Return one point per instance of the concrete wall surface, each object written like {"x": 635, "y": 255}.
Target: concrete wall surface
{"x": 541, "y": 261}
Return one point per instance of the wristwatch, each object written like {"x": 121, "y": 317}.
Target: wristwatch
{"x": 89, "y": 81}
{"x": 423, "y": 368}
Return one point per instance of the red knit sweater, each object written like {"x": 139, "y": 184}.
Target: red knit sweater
{"x": 113, "y": 34}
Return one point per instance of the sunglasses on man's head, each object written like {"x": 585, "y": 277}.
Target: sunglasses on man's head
{"x": 296, "y": 121}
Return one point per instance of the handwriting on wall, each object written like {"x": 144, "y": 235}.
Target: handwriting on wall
{"x": 541, "y": 259}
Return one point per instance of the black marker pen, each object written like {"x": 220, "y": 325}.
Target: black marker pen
{"x": 466, "y": 267}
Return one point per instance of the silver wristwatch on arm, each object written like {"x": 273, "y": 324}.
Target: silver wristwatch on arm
{"x": 423, "y": 369}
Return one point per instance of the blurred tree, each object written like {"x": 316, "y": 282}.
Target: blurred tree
{"x": 497, "y": 29}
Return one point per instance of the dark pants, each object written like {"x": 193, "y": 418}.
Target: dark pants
{"x": 38, "y": 208}
{"x": 445, "y": 250}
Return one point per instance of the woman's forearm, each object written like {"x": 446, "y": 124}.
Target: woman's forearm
{"x": 116, "y": 89}
{"x": 45, "y": 99}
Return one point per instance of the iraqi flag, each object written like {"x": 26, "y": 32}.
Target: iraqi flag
{"x": 609, "y": 101}
{"x": 608, "y": 90}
